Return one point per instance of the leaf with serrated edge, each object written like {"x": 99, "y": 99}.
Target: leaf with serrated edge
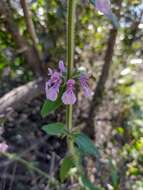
{"x": 86, "y": 145}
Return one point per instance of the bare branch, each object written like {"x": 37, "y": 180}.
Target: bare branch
{"x": 29, "y": 22}
{"x": 29, "y": 53}
{"x": 24, "y": 94}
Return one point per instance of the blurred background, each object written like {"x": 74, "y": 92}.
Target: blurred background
{"x": 33, "y": 38}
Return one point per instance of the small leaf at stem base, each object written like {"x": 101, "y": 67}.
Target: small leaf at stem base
{"x": 66, "y": 165}
{"x": 50, "y": 106}
{"x": 88, "y": 185}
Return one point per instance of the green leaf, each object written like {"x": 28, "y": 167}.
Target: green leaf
{"x": 114, "y": 173}
{"x": 86, "y": 145}
{"x": 54, "y": 129}
{"x": 66, "y": 165}
{"x": 88, "y": 185}
{"x": 114, "y": 177}
{"x": 50, "y": 106}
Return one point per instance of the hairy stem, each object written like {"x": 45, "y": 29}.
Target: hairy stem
{"x": 71, "y": 6}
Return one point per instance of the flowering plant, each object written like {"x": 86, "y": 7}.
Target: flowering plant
{"x": 60, "y": 89}
{"x": 58, "y": 78}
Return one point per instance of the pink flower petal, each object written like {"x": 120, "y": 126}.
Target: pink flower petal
{"x": 84, "y": 84}
{"x": 87, "y": 92}
{"x": 52, "y": 92}
{"x": 69, "y": 98}
{"x": 52, "y": 86}
{"x": 104, "y": 6}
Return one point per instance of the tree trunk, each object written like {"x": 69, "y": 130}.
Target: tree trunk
{"x": 28, "y": 51}
{"x": 100, "y": 88}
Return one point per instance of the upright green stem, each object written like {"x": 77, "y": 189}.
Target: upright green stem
{"x": 71, "y": 6}
{"x": 70, "y": 35}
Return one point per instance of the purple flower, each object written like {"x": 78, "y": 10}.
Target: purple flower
{"x": 3, "y": 147}
{"x": 69, "y": 97}
{"x": 103, "y": 6}
{"x": 52, "y": 85}
{"x": 62, "y": 66}
{"x": 84, "y": 84}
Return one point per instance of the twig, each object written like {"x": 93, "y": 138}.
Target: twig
{"x": 23, "y": 153}
{"x": 29, "y": 22}
{"x": 13, "y": 176}
{"x": 52, "y": 164}
{"x": 17, "y": 177}
{"x": 30, "y": 27}
{"x": 30, "y": 166}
